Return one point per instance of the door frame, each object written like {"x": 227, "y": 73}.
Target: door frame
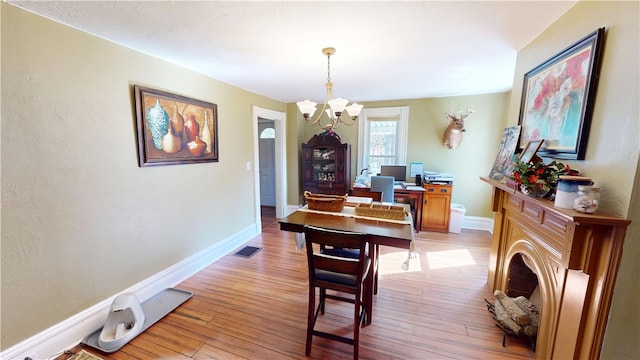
{"x": 279, "y": 119}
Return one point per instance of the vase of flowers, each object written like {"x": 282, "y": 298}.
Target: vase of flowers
{"x": 537, "y": 179}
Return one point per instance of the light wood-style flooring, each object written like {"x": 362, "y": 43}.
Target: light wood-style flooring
{"x": 256, "y": 308}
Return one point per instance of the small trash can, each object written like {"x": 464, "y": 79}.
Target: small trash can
{"x": 455, "y": 218}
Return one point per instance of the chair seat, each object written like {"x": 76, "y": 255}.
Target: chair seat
{"x": 354, "y": 254}
{"x": 344, "y": 279}
{"x": 342, "y": 252}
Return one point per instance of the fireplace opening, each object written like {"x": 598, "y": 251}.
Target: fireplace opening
{"x": 516, "y": 310}
{"x": 521, "y": 280}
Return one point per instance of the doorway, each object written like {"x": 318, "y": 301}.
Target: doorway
{"x": 267, "y": 166}
{"x": 278, "y": 119}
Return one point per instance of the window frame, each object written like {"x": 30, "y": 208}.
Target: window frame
{"x": 268, "y": 133}
{"x": 400, "y": 114}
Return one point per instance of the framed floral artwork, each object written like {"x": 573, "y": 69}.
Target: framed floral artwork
{"x": 174, "y": 129}
{"x": 558, "y": 98}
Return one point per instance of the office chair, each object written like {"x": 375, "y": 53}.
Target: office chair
{"x": 383, "y": 184}
{"x": 344, "y": 275}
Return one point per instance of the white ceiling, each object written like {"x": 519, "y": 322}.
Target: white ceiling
{"x": 385, "y": 50}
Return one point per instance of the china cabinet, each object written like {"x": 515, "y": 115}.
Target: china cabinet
{"x": 326, "y": 165}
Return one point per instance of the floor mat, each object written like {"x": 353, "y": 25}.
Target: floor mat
{"x": 247, "y": 251}
{"x": 154, "y": 309}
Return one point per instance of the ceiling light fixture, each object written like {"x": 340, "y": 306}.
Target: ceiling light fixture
{"x": 336, "y": 108}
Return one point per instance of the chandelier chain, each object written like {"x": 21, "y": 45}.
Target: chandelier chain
{"x": 328, "y": 67}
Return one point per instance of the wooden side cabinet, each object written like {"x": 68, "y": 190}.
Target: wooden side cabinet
{"x": 436, "y": 207}
{"x": 326, "y": 165}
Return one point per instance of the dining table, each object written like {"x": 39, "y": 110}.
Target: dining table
{"x": 378, "y": 231}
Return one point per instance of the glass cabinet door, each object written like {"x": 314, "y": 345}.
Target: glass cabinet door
{"x": 324, "y": 164}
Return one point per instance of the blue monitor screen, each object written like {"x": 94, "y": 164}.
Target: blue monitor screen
{"x": 399, "y": 172}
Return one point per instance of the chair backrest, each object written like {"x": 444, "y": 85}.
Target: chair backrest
{"x": 383, "y": 184}
{"x": 336, "y": 239}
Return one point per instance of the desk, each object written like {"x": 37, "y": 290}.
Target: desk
{"x": 400, "y": 195}
{"x": 379, "y": 232}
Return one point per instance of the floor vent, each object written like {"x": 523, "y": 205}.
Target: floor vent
{"x": 247, "y": 251}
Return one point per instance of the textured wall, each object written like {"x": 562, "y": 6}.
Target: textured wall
{"x": 80, "y": 220}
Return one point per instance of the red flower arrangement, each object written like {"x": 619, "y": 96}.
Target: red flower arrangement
{"x": 539, "y": 179}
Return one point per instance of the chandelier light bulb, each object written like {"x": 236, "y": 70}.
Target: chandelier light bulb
{"x": 329, "y": 114}
{"x": 307, "y": 108}
{"x": 354, "y": 110}
{"x": 337, "y": 105}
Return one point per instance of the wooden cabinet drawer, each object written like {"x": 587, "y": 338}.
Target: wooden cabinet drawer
{"x": 437, "y": 189}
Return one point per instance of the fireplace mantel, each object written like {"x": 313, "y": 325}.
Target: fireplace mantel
{"x": 576, "y": 258}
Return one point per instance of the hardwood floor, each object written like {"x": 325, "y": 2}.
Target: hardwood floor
{"x": 255, "y": 308}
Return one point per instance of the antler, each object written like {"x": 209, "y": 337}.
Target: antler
{"x": 460, "y": 115}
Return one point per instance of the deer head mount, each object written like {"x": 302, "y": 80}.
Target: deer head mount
{"x": 453, "y": 134}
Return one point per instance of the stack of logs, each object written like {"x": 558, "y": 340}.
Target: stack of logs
{"x": 515, "y": 316}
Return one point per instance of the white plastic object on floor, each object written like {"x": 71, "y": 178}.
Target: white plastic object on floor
{"x": 154, "y": 309}
{"x": 124, "y": 322}
{"x": 455, "y": 218}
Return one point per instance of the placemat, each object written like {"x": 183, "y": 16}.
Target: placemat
{"x": 351, "y": 212}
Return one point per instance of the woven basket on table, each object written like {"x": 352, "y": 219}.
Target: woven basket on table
{"x": 324, "y": 202}
{"x": 381, "y": 211}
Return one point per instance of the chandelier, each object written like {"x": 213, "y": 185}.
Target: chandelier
{"x": 336, "y": 108}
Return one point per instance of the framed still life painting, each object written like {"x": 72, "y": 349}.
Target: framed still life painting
{"x": 558, "y": 98}
{"x": 174, "y": 129}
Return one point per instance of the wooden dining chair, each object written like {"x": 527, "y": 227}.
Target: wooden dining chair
{"x": 347, "y": 276}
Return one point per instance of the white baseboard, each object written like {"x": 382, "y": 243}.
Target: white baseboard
{"x": 73, "y": 330}
{"x": 477, "y": 223}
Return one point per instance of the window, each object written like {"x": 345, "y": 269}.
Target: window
{"x": 268, "y": 133}
{"x": 383, "y": 134}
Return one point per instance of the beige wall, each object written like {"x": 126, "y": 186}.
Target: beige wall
{"x": 80, "y": 220}
{"x": 613, "y": 146}
{"x": 294, "y": 153}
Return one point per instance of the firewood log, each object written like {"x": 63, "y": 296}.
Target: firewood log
{"x": 503, "y": 318}
{"x": 515, "y": 312}
{"x": 526, "y": 305}
{"x": 507, "y": 324}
